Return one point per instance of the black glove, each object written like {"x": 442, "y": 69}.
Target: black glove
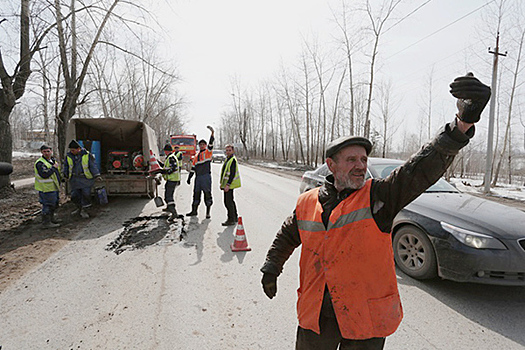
{"x": 472, "y": 97}
{"x": 269, "y": 283}
{"x": 189, "y": 180}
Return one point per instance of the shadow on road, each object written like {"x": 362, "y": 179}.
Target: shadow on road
{"x": 195, "y": 236}
{"x": 498, "y": 308}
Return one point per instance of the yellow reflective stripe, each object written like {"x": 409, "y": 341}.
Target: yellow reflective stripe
{"x": 356, "y": 215}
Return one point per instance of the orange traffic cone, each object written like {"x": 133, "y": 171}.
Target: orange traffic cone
{"x": 154, "y": 166}
{"x": 240, "y": 244}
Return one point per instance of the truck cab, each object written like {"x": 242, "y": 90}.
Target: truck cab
{"x": 188, "y": 146}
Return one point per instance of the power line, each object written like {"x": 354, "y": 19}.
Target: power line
{"x": 408, "y": 15}
{"x": 439, "y": 30}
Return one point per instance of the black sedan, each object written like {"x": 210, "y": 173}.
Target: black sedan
{"x": 451, "y": 234}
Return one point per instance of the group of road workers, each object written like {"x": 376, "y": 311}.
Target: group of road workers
{"x": 348, "y": 296}
{"x": 229, "y": 178}
{"x": 81, "y": 170}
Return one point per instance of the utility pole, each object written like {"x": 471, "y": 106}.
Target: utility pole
{"x": 488, "y": 165}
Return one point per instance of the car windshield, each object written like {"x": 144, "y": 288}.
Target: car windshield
{"x": 383, "y": 170}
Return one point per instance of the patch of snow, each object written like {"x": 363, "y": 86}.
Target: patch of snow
{"x": 27, "y": 154}
{"x": 502, "y": 190}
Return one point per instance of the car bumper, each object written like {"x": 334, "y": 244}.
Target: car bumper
{"x": 461, "y": 263}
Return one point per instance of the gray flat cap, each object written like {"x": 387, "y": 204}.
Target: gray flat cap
{"x": 342, "y": 142}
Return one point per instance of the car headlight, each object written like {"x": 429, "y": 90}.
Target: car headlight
{"x": 473, "y": 239}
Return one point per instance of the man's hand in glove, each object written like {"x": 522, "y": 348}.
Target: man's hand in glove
{"x": 269, "y": 283}
{"x": 188, "y": 181}
{"x": 472, "y": 97}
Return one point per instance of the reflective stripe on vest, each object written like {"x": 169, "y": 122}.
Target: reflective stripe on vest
{"x": 236, "y": 183}
{"x": 50, "y": 184}
{"x": 174, "y": 176}
{"x": 85, "y": 166}
{"x": 202, "y": 157}
{"x": 354, "y": 259}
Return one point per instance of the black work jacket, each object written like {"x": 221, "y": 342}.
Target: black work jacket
{"x": 388, "y": 196}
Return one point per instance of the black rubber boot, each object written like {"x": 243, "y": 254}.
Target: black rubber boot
{"x": 208, "y": 212}
{"x": 54, "y": 219}
{"x": 193, "y": 211}
{"x": 46, "y": 222}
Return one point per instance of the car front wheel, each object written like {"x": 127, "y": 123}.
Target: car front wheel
{"x": 414, "y": 253}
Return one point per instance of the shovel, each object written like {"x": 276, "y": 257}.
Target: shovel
{"x": 158, "y": 200}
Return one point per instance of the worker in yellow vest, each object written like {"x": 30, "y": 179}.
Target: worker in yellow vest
{"x": 348, "y": 296}
{"x": 230, "y": 179}
{"x": 171, "y": 173}
{"x": 81, "y": 171}
{"x": 47, "y": 183}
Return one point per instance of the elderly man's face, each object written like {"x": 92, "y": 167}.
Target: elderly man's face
{"x": 349, "y": 167}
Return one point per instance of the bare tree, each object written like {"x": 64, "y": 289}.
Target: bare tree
{"x": 14, "y": 84}
{"x": 377, "y": 23}
{"x": 513, "y": 91}
{"x": 69, "y": 57}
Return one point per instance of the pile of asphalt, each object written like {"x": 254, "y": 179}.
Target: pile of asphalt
{"x": 144, "y": 231}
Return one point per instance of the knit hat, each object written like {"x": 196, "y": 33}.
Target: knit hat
{"x": 74, "y": 144}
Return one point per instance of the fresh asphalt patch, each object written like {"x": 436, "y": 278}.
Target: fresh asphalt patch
{"x": 144, "y": 231}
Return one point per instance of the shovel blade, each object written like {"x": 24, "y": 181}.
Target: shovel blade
{"x": 158, "y": 201}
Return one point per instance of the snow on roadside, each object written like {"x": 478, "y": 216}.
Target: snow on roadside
{"x": 502, "y": 190}
{"x": 19, "y": 154}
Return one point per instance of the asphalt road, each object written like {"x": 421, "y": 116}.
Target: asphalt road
{"x": 197, "y": 294}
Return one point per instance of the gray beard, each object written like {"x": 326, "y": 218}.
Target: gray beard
{"x": 343, "y": 184}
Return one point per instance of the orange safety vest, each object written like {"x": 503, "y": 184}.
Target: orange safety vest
{"x": 202, "y": 157}
{"x": 355, "y": 260}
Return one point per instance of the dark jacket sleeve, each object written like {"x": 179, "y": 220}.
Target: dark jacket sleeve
{"x": 93, "y": 168}
{"x": 173, "y": 166}
{"x": 284, "y": 244}
{"x": 44, "y": 171}
{"x": 233, "y": 169}
{"x": 210, "y": 143}
{"x": 421, "y": 171}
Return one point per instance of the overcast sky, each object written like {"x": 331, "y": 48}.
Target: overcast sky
{"x": 212, "y": 41}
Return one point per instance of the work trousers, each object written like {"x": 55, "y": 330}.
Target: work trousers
{"x": 49, "y": 201}
{"x": 229, "y": 203}
{"x": 82, "y": 197}
{"x": 202, "y": 185}
{"x": 330, "y": 337}
{"x": 169, "y": 191}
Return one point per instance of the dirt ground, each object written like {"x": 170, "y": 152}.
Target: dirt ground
{"x": 24, "y": 244}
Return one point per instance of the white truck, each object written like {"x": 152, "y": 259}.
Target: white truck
{"x": 123, "y": 150}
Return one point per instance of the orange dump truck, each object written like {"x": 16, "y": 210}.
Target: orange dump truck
{"x": 188, "y": 147}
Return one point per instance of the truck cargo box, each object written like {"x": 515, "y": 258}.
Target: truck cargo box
{"x": 123, "y": 149}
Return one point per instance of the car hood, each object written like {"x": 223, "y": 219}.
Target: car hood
{"x": 471, "y": 213}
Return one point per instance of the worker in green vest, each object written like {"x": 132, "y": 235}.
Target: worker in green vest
{"x": 47, "y": 183}
{"x": 171, "y": 173}
{"x": 81, "y": 171}
{"x": 230, "y": 179}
